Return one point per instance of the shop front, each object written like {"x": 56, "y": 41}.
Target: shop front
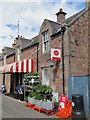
{"x": 13, "y": 73}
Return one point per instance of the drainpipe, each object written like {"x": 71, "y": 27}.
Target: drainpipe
{"x": 37, "y": 58}
{"x": 63, "y": 28}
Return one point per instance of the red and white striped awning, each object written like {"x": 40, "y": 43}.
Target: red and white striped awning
{"x": 2, "y": 68}
{"x": 26, "y": 65}
{"x": 8, "y": 67}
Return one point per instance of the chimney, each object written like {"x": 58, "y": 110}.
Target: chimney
{"x": 3, "y": 51}
{"x": 87, "y": 4}
{"x": 14, "y": 44}
{"x": 60, "y": 15}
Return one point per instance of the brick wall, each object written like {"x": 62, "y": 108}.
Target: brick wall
{"x": 56, "y": 42}
{"x": 30, "y": 53}
{"x": 89, "y": 39}
{"x": 79, "y": 46}
{"x": 10, "y": 59}
{"x": 7, "y": 82}
{"x": 44, "y": 58}
{"x": 55, "y": 72}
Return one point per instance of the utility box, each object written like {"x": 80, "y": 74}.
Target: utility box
{"x": 80, "y": 85}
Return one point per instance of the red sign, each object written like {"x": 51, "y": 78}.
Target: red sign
{"x": 55, "y": 54}
{"x": 63, "y": 100}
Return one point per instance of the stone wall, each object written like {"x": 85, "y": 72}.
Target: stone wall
{"x": 30, "y": 53}
{"x": 10, "y": 59}
{"x": 79, "y": 46}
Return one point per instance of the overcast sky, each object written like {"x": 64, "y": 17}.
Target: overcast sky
{"x": 30, "y": 14}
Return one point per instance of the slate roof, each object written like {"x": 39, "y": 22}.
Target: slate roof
{"x": 32, "y": 42}
{"x": 66, "y": 21}
{"x": 9, "y": 50}
{"x": 54, "y": 25}
{"x": 25, "y": 42}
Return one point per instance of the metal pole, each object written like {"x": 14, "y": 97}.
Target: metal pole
{"x": 62, "y": 35}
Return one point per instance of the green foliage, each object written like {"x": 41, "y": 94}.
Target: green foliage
{"x": 31, "y": 74}
{"x": 32, "y": 94}
{"x": 25, "y": 80}
{"x": 37, "y": 91}
{"x": 40, "y": 92}
{"x": 38, "y": 96}
{"x": 26, "y": 98}
{"x": 42, "y": 89}
{"x": 35, "y": 74}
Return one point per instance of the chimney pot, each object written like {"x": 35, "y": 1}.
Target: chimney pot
{"x": 60, "y": 15}
{"x": 60, "y": 9}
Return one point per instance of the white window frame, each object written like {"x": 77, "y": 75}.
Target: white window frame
{"x": 45, "y": 41}
{"x": 45, "y": 76}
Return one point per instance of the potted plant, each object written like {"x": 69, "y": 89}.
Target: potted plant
{"x": 38, "y": 100}
{"x": 31, "y": 98}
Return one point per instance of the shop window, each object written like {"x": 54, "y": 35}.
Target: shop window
{"x": 45, "y": 41}
{"x": 45, "y": 76}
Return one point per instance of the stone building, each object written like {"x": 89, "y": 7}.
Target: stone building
{"x": 31, "y": 51}
{"x": 76, "y": 45}
{"x": 76, "y": 39}
{"x": 11, "y": 58}
{"x": 8, "y": 55}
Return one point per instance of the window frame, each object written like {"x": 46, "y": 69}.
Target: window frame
{"x": 45, "y": 78}
{"x": 45, "y": 41}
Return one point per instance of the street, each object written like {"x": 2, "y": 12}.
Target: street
{"x": 12, "y": 108}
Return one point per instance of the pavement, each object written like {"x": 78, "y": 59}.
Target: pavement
{"x": 13, "y": 108}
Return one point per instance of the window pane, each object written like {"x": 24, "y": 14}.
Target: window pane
{"x": 47, "y": 36}
{"x": 45, "y": 41}
{"x": 45, "y": 77}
